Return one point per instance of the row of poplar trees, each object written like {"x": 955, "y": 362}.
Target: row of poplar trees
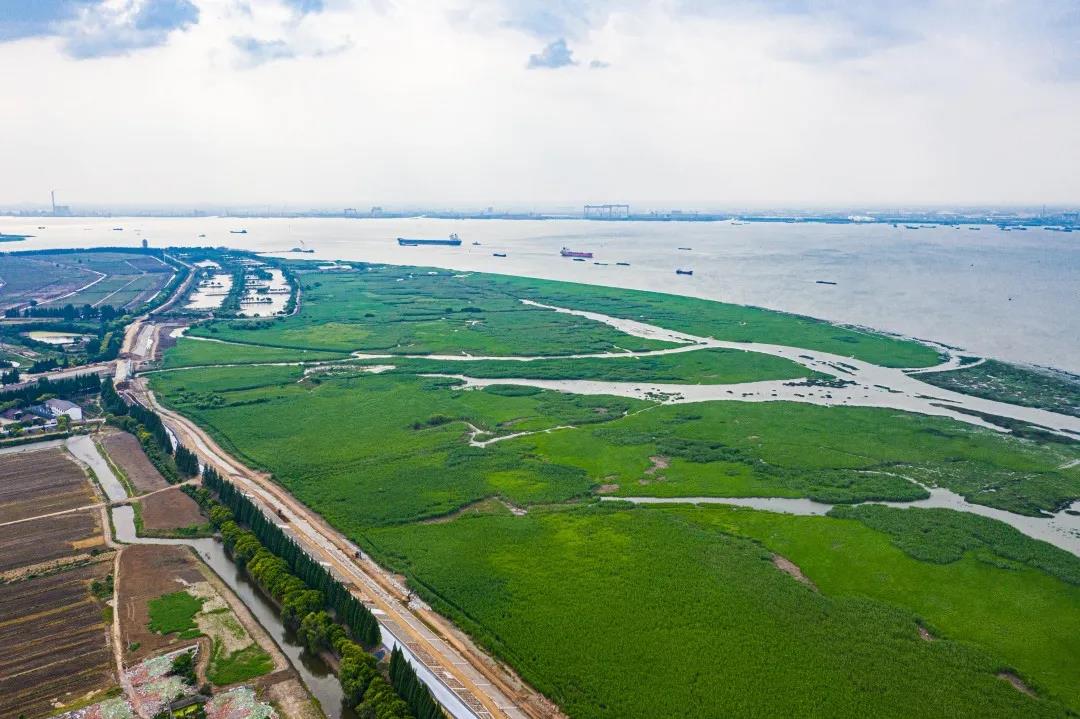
{"x": 304, "y": 587}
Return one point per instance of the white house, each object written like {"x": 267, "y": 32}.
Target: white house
{"x": 58, "y": 407}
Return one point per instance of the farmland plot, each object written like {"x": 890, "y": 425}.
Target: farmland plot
{"x": 169, "y": 511}
{"x": 120, "y": 279}
{"x": 33, "y": 483}
{"x": 127, "y": 454}
{"x": 167, "y": 602}
{"x": 50, "y": 540}
{"x": 56, "y": 642}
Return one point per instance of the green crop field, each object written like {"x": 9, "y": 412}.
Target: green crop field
{"x": 174, "y": 612}
{"x": 616, "y": 610}
{"x": 243, "y": 664}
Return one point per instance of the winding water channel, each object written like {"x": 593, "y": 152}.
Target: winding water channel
{"x": 868, "y": 385}
{"x": 1061, "y": 530}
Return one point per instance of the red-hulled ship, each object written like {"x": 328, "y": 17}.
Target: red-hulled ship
{"x": 572, "y": 253}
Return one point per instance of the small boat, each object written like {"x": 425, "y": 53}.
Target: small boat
{"x": 579, "y": 259}
{"x": 602, "y": 264}
{"x": 681, "y": 271}
{"x": 237, "y": 232}
{"x": 498, "y": 254}
{"x": 623, "y": 264}
{"x": 825, "y": 282}
{"x": 575, "y": 254}
{"x": 686, "y": 248}
{"x": 304, "y": 250}
{"x": 118, "y": 229}
{"x": 41, "y": 227}
{"x": 202, "y": 235}
{"x": 476, "y": 243}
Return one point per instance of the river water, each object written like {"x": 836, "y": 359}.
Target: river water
{"x": 1013, "y": 295}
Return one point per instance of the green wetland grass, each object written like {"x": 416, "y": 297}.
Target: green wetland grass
{"x": 705, "y": 366}
{"x": 408, "y": 311}
{"x": 615, "y": 610}
{"x": 652, "y": 612}
{"x": 723, "y": 321}
{"x": 400, "y": 310}
{"x": 197, "y": 353}
{"x": 1003, "y": 382}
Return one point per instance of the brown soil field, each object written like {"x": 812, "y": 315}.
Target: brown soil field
{"x": 39, "y": 482}
{"x": 41, "y": 540}
{"x": 56, "y": 642}
{"x": 126, "y": 452}
{"x": 171, "y": 509}
{"x": 146, "y": 572}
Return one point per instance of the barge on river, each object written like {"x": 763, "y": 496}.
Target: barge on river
{"x": 452, "y": 241}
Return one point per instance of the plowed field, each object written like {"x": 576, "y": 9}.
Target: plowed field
{"x": 56, "y": 643}
{"x": 126, "y": 452}
{"x": 33, "y": 483}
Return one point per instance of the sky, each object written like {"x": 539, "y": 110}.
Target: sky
{"x": 532, "y": 103}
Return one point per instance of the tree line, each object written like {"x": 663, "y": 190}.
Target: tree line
{"x": 411, "y": 689}
{"x": 66, "y": 387}
{"x": 148, "y": 428}
{"x": 305, "y": 589}
{"x": 69, "y": 312}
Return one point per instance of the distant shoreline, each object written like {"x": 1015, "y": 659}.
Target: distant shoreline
{"x": 1060, "y": 222}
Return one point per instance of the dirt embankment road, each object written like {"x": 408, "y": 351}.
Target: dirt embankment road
{"x": 489, "y": 688}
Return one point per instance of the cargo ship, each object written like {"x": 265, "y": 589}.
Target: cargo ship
{"x": 572, "y": 253}
{"x": 452, "y": 241}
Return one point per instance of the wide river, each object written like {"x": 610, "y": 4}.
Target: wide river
{"x": 1013, "y": 295}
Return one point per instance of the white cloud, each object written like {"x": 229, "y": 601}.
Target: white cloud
{"x": 555, "y": 54}
{"x": 433, "y": 102}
